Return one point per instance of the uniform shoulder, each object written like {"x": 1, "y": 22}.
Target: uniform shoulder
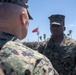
{"x": 17, "y": 56}
{"x": 20, "y": 48}
{"x": 71, "y": 40}
{"x": 46, "y": 41}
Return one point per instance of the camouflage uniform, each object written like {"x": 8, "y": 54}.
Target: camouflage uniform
{"x": 17, "y": 59}
{"x": 62, "y": 55}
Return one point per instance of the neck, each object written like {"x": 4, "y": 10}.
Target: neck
{"x": 4, "y": 29}
{"x": 58, "y": 38}
{"x": 11, "y": 31}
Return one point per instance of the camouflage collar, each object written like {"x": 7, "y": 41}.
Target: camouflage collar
{"x": 52, "y": 41}
{"x": 4, "y": 37}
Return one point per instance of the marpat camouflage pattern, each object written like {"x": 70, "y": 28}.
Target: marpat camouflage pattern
{"x": 62, "y": 55}
{"x": 17, "y": 59}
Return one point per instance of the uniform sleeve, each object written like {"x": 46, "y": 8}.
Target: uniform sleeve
{"x": 75, "y": 62}
{"x": 44, "y": 67}
{"x": 40, "y": 49}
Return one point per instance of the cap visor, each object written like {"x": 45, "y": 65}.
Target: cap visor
{"x": 30, "y": 17}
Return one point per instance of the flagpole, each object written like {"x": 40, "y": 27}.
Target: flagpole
{"x": 38, "y": 36}
{"x": 36, "y": 30}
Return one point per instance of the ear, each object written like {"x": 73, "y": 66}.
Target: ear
{"x": 22, "y": 18}
{"x": 64, "y": 28}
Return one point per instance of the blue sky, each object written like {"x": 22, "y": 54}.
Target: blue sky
{"x": 42, "y": 9}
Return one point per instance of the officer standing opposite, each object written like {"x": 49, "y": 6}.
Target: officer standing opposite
{"x": 15, "y": 58}
{"x": 60, "y": 49}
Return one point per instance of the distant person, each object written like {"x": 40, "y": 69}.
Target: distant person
{"x": 15, "y": 58}
{"x": 60, "y": 49}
